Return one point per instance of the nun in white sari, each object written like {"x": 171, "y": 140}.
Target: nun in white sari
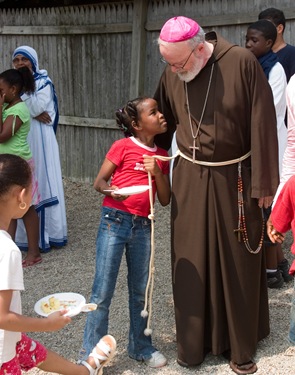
{"x": 42, "y": 140}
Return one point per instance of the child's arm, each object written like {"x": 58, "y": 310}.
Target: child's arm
{"x": 273, "y": 234}
{"x": 6, "y": 128}
{"x": 101, "y": 181}
{"x": 11, "y": 321}
{"x": 282, "y": 213}
{"x": 104, "y": 175}
{"x": 162, "y": 181}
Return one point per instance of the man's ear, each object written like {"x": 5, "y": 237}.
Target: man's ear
{"x": 200, "y": 47}
{"x": 280, "y": 29}
{"x": 269, "y": 43}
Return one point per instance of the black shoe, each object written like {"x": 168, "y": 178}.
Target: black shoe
{"x": 275, "y": 279}
{"x": 284, "y": 267}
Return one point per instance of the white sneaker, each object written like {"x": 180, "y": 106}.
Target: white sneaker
{"x": 157, "y": 360}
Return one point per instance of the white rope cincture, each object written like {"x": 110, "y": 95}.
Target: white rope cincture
{"x": 147, "y": 310}
{"x": 150, "y": 282}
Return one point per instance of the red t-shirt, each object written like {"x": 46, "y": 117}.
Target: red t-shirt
{"x": 282, "y": 214}
{"x": 127, "y": 154}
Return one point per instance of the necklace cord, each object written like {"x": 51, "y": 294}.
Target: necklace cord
{"x": 204, "y": 106}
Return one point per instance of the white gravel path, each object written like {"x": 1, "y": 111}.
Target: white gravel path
{"x": 71, "y": 270}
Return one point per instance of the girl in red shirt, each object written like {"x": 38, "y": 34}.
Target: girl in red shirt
{"x": 125, "y": 224}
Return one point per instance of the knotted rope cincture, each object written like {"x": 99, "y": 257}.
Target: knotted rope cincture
{"x": 150, "y": 282}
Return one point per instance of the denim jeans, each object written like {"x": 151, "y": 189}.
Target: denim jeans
{"x": 292, "y": 319}
{"x": 120, "y": 230}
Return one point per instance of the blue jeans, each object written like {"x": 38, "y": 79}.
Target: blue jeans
{"x": 120, "y": 230}
{"x": 292, "y": 319}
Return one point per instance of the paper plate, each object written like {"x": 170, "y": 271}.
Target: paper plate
{"x": 131, "y": 190}
{"x": 66, "y": 300}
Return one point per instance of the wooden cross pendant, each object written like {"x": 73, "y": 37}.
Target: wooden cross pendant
{"x": 194, "y": 148}
{"x": 239, "y": 232}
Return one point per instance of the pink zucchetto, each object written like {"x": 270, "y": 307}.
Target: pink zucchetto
{"x": 178, "y": 29}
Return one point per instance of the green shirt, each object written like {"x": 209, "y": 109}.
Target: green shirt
{"x": 17, "y": 144}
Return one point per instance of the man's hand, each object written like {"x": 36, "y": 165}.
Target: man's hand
{"x": 265, "y": 202}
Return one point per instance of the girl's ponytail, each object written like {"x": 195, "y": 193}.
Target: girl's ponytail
{"x": 28, "y": 80}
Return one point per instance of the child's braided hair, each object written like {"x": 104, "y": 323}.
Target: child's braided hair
{"x": 128, "y": 114}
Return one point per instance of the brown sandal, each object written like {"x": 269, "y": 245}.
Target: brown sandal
{"x": 244, "y": 368}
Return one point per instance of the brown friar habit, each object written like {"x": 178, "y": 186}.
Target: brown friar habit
{"x": 219, "y": 287}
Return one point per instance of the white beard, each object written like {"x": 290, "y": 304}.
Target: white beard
{"x": 189, "y": 75}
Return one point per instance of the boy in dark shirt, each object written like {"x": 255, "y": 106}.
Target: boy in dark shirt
{"x": 284, "y": 51}
{"x": 261, "y": 36}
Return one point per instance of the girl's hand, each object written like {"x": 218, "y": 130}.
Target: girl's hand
{"x": 151, "y": 165}
{"x": 273, "y": 234}
{"x": 57, "y": 320}
{"x": 161, "y": 180}
{"x": 117, "y": 197}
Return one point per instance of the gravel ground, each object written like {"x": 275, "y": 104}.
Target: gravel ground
{"x": 71, "y": 269}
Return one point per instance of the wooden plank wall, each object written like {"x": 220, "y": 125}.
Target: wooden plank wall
{"x": 101, "y": 55}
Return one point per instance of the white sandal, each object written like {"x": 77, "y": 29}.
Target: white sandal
{"x": 109, "y": 352}
{"x": 290, "y": 351}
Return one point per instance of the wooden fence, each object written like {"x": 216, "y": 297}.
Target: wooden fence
{"x": 101, "y": 55}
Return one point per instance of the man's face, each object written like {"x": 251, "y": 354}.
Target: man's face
{"x": 183, "y": 60}
{"x": 256, "y": 43}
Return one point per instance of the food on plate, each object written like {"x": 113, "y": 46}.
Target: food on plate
{"x": 53, "y": 304}
{"x": 58, "y": 301}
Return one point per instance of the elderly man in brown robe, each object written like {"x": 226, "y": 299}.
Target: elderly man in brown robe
{"x": 216, "y": 97}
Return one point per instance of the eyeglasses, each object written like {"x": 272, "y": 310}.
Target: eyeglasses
{"x": 177, "y": 66}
